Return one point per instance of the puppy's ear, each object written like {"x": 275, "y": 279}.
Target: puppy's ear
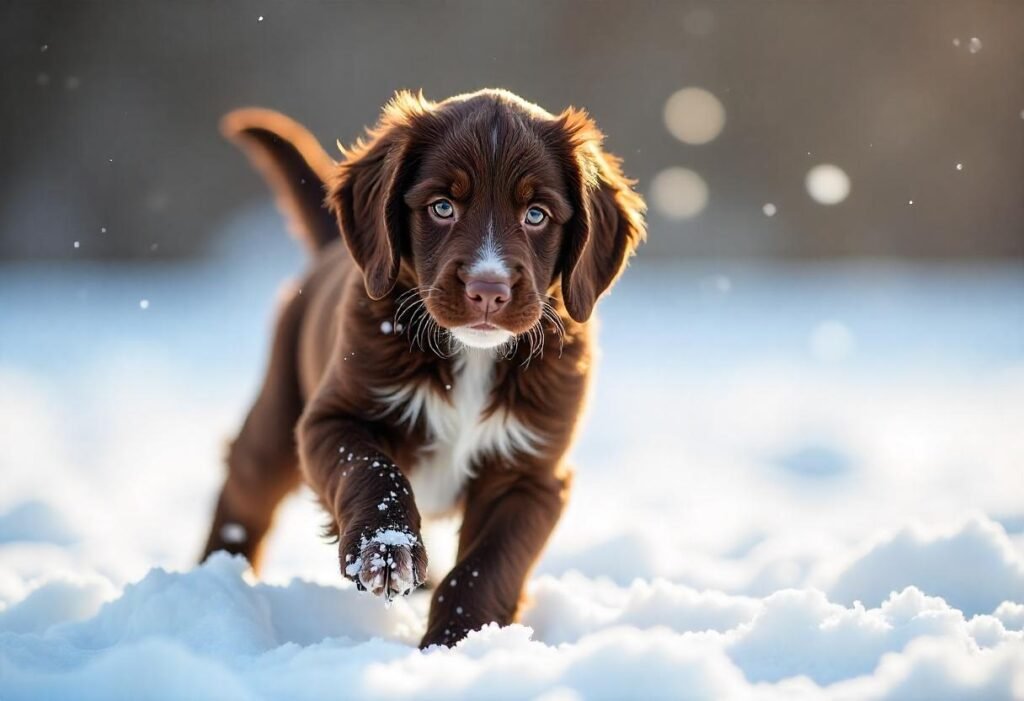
{"x": 365, "y": 192}
{"x": 293, "y": 163}
{"x": 608, "y": 216}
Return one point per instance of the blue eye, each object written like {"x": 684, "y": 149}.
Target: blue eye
{"x": 443, "y": 209}
{"x": 535, "y": 216}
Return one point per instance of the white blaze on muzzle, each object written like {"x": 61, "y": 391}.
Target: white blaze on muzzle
{"x": 488, "y": 259}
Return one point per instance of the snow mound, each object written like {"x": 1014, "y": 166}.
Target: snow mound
{"x": 974, "y": 566}
{"x": 212, "y": 633}
{"x": 34, "y": 522}
{"x": 566, "y": 608}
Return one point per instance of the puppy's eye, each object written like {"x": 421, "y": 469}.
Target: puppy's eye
{"x": 535, "y": 216}
{"x": 443, "y": 209}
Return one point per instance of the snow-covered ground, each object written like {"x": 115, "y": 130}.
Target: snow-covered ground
{"x": 795, "y": 483}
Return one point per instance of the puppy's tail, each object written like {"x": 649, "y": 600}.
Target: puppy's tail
{"x": 294, "y": 164}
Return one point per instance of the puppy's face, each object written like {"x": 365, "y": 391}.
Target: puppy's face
{"x": 487, "y": 214}
{"x": 483, "y": 204}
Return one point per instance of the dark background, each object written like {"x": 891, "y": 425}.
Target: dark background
{"x": 109, "y": 111}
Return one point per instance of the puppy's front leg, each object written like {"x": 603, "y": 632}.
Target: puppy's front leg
{"x": 369, "y": 498}
{"x": 509, "y": 516}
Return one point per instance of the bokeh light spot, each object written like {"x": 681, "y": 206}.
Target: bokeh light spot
{"x": 827, "y": 184}
{"x": 694, "y": 116}
{"x": 679, "y": 193}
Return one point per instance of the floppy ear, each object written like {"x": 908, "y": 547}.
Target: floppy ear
{"x": 293, "y": 163}
{"x": 365, "y": 192}
{"x": 608, "y": 216}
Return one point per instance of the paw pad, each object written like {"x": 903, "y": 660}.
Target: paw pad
{"x": 386, "y": 564}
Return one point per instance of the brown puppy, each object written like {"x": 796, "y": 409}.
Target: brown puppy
{"x": 438, "y": 360}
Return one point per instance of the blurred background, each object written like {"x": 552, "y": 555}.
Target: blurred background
{"x": 823, "y": 337}
{"x": 784, "y": 129}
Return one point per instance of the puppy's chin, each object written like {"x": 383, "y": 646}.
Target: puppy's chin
{"x": 480, "y": 338}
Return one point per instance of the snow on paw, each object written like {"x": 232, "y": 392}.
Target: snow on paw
{"x": 388, "y": 563}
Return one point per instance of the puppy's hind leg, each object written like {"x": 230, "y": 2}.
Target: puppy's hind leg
{"x": 263, "y": 459}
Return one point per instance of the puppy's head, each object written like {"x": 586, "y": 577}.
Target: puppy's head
{"x": 486, "y": 206}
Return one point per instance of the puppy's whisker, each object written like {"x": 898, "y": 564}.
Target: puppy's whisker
{"x": 411, "y": 299}
{"x": 424, "y": 331}
{"x": 413, "y": 303}
{"x": 548, "y": 312}
{"x": 410, "y": 309}
{"x": 443, "y": 336}
{"x": 513, "y": 347}
{"x": 529, "y": 355}
{"x": 406, "y": 307}
{"x": 416, "y": 326}
{"x": 536, "y": 336}
{"x": 435, "y": 340}
{"x": 415, "y": 330}
{"x": 407, "y": 297}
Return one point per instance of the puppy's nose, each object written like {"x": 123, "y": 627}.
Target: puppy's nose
{"x": 487, "y": 296}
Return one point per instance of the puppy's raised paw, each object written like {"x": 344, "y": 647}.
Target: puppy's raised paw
{"x": 386, "y": 563}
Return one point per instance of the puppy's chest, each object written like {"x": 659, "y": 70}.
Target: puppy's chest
{"x": 457, "y": 431}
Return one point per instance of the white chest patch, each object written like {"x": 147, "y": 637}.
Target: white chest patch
{"x": 456, "y": 431}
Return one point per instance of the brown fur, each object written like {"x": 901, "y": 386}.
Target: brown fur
{"x": 319, "y": 415}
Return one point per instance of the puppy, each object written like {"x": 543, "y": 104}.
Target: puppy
{"x": 436, "y": 356}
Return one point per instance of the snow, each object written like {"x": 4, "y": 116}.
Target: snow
{"x": 392, "y": 537}
{"x": 987, "y": 572}
{"x": 1011, "y": 614}
{"x": 209, "y": 633}
{"x": 233, "y": 533}
{"x": 800, "y": 483}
